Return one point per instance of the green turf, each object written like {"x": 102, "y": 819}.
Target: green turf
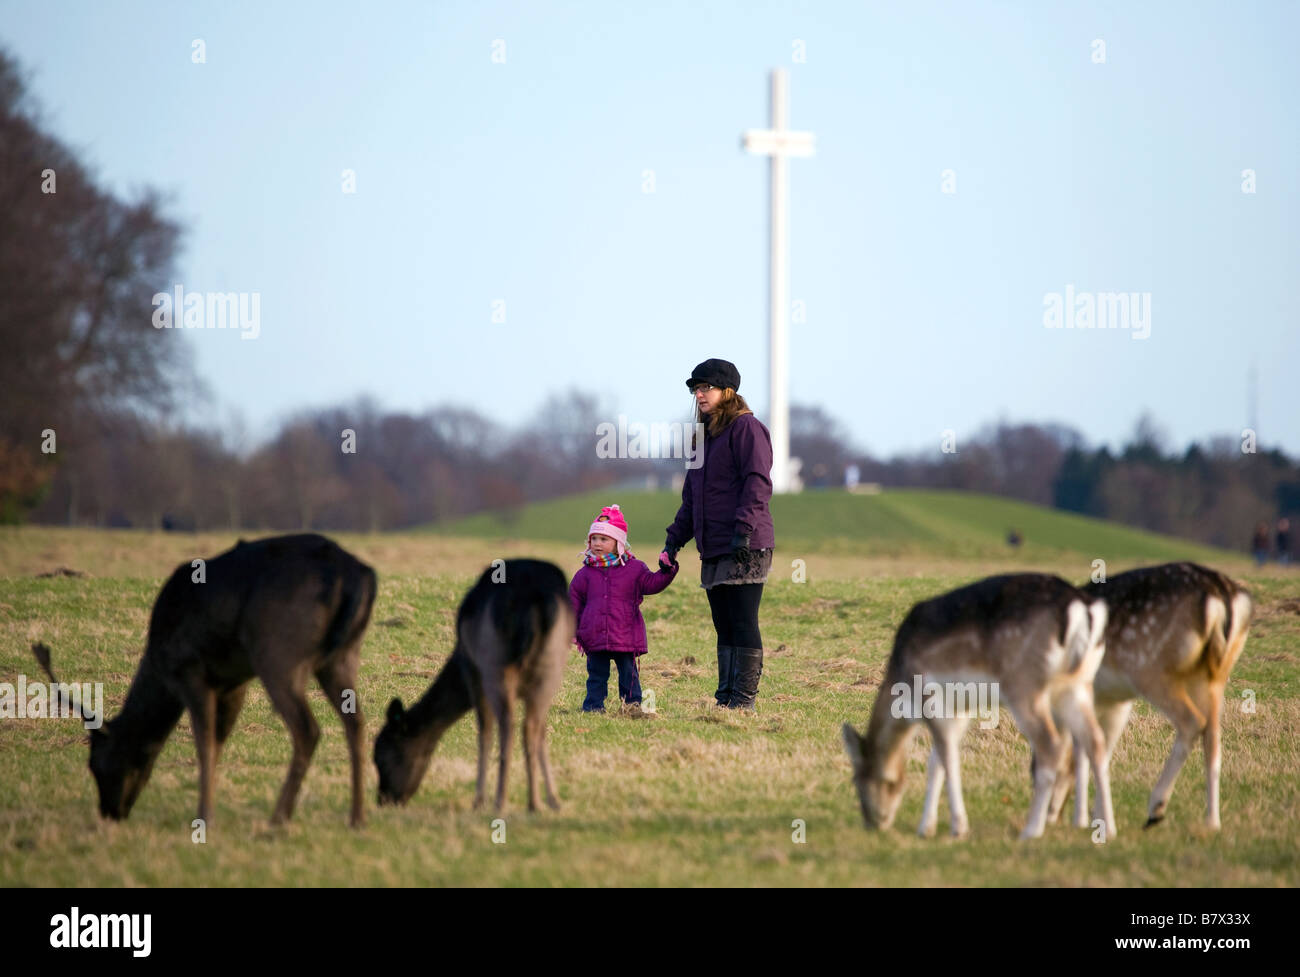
{"x": 903, "y": 521}
{"x": 690, "y": 797}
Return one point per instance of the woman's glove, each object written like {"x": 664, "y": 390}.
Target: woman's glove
{"x": 740, "y": 547}
{"x": 668, "y": 558}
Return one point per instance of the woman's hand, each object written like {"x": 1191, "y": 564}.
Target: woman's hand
{"x": 740, "y": 547}
{"x": 668, "y": 558}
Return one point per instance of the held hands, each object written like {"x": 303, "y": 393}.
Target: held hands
{"x": 668, "y": 558}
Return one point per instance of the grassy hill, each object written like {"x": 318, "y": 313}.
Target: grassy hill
{"x": 898, "y": 522}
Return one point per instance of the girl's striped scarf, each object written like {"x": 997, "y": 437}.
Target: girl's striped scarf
{"x": 608, "y": 560}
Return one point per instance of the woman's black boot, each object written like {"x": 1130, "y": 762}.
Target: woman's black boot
{"x": 726, "y": 674}
{"x": 748, "y": 669}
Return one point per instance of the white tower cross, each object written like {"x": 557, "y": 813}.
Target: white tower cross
{"x": 778, "y": 142}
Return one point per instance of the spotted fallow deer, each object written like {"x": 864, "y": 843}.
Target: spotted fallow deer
{"x": 1037, "y": 640}
{"x": 1174, "y": 633}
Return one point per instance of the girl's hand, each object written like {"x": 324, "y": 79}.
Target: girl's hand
{"x": 666, "y": 561}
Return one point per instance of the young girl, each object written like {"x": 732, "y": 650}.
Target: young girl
{"x": 606, "y": 594}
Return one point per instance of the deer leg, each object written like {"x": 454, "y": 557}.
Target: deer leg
{"x": 541, "y": 692}
{"x": 1188, "y": 724}
{"x": 947, "y": 735}
{"x": 1080, "y": 757}
{"x": 229, "y": 703}
{"x": 1112, "y": 718}
{"x": 1210, "y": 743}
{"x": 288, "y": 696}
{"x": 483, "y": 719}
{"x": 933, "y": 787}
{"x": 1061, "y": 788}
{"x": 503, "y": 705}
{"x": 202, "y": 702}
{"x": 1078, "y": 713}
{"x": 1036, "y": 724}
{"x": 543, "y": 756}
{"x": 339, "y": 680}
{"x": 531, "y": 717}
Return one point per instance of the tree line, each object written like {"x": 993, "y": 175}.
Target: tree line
{"x": 87, "y": 397}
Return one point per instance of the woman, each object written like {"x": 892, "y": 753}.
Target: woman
{"x": 724, "y": 508}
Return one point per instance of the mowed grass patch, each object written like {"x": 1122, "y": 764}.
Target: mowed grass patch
{"x": 692, "y": 796}
{"x": 896, "y": 522}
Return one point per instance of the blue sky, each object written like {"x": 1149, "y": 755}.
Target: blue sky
{"x": 523, "y": 182}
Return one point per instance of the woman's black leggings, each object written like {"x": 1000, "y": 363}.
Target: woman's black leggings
{"x": 735, "y": 614}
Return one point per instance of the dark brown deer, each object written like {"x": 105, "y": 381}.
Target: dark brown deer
{"x": 1174, "y": 633}
{"x": 513, "y": 631}
{"x": 281, "y": 609}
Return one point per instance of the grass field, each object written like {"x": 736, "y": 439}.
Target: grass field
{"x": 690, "y": 796}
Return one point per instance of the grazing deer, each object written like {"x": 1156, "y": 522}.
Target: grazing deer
{"x": 512, "y": 638}
{"x": 1174, "y": 633}
{"x": 1037, "y": 640}
{"x": 281, "y": 609}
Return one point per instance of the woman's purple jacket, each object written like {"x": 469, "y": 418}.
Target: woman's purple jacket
{"x": 729, "y": 493}
{"x": 607, "y": 603}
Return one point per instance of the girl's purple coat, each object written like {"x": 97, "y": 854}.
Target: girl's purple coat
{"x": 729, "y": 492}
{"x": 607, "y": 602}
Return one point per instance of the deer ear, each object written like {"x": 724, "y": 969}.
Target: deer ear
{"x": 395, "y": 711}
{"x": 852, "y": 744}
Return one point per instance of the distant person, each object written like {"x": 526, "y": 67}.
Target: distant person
{"x": 1259, "y": 543}
{"x": 1014, "y": 539}
{"x": 1284, "y": 541}
{"x": 606, "y": 595}
{"x": 724, "y": 508}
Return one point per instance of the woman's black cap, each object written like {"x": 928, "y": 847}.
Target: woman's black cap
{"x": 720, "y": 373}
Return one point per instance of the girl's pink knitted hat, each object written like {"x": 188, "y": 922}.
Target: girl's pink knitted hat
{"x": 611, "y": 523}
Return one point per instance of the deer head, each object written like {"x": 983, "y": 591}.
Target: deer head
{"x": 120, "y": 765}
{"x": 121, "y": 769}
{"x": 401, "y": 756}
{"x": 878, "y": 778}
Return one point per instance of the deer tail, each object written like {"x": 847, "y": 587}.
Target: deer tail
{"x": 528, "y": 617}
{"x": 1085, "y": 629}
{"x": 359, "y": 587}
{"x": 1227, "y": 633}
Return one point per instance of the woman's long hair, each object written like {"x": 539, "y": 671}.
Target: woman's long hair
{"x": 731, "y": 406}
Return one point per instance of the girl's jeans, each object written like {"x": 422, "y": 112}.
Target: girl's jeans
{"x": 629, "y": 685}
